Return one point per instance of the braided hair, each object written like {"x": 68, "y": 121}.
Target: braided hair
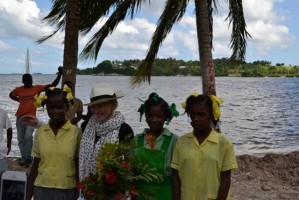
{"x": 202, "y": 100}
{"x": 50, "y": 92}
{"x": 155, "y": 100}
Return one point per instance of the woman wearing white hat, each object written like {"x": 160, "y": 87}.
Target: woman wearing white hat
{"x": 105, "y": 125}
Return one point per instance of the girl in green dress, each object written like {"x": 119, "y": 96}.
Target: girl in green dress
{"x": 155, "y": 144}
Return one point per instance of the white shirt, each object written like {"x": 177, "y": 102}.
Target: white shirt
{"x": 4, "y": 124}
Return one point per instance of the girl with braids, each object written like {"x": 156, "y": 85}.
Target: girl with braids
{"x": 53, "y": 174}
{"x": 202, "y": 159}
{"x": 155, "y": 144}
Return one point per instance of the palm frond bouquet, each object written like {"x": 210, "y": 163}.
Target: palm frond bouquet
{"x": 118, "y": 170}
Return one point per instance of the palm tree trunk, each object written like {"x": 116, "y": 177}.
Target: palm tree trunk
{"x": 70, "y": 54}
{"x": 205, "y": 48}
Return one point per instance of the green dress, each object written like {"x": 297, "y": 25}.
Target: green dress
{"x": 156, "y": 158}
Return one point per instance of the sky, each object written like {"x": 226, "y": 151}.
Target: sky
{"x": 272, "y": 24}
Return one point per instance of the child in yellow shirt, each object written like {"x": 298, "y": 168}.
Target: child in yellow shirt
{"x": 203, "y": 159}
{"x": 54, "y": 173}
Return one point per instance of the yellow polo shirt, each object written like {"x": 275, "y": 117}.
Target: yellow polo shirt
{"x": 199, "y": 166}
{"x": 57, "y": 167}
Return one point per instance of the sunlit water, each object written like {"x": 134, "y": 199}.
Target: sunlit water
{"x": 259, "y": 115}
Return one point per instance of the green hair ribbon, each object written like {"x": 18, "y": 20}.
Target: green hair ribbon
{"x": 173, "y": 112}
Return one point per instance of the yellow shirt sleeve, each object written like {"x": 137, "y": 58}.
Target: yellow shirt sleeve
{"x": 229, "y": 161}
{"x": 35, "y": 149}
{"x": 175, "y": 157}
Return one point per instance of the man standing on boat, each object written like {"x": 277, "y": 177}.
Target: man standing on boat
{"x": 25, "y": 96}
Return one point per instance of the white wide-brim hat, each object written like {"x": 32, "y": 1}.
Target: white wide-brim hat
{"x": 103, "y": 92}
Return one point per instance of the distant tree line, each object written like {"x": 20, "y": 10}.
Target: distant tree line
{"x": 173, "y": 67}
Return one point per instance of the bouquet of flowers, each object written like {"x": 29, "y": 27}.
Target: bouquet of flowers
{"x": 118, "y": 170}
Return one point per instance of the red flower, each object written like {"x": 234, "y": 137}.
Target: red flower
{"x": 150, "y": 138}
{"x": 126, "y": 165}
{"x": 80, "y": 186}
{"x": 111, "y": 178}
{"x": 118, "y": 196}
{"x": 133, "y": 192}
{"x": 90, "y": 193}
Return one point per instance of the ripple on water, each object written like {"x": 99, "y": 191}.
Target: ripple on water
{"x": 258, "y": 114}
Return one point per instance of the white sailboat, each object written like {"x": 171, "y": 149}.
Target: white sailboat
{"x": 27, "y": 63}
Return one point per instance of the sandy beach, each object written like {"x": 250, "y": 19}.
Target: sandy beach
{"x": 268, "y": 177}
{"x": 273, "y": 176}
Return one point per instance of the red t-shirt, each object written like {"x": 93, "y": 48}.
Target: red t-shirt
{"x": 26, "y": 99}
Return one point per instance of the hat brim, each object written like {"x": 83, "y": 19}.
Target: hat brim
{"x": 117, "y": 96}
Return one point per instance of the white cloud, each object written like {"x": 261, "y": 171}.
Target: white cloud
{"x": 4, "y": 46}
{"x": 129, "y": 40}
{"x": 262, "y": 10}
{"x": 266, "y": 26}
{"x": 19, "y": 18}
{"x": 266, "y": 22}
{"x": 22, "y": 20}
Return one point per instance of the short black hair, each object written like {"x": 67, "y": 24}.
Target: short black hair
{"x": 155, "y": 100}
{"x": 201, "y": 100}
{"x": 26, "y": 76}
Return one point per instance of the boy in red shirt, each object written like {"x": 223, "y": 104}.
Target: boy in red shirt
{"x": 25, "y": 96}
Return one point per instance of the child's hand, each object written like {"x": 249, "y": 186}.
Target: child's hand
{"x": 30, "y": 120}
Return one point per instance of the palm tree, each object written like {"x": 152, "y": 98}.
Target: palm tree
{"x": 80, "y": 16}
{"x": 172, "y": 13}
{"x": 70, "y": 53}
{"x": 91, "y": 11}
{"x": 66, "y": 14}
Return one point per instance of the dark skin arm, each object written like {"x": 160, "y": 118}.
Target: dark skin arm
{"x": 9, "y": 137}
{"x": 13, "y": 98}
{"x": 224, "y": 185}
{"x": 77, "y": 118}
{"x": 32, "y": 177}
{"x": 176, "y": 185}
{"x": 57, "y": 79}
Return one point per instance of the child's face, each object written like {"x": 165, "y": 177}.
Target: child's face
{"x": 155, "y": 118}
{"x": 201, "y": 117}
{"x": 104, "y": 110}
{"x": 56, "y": 108}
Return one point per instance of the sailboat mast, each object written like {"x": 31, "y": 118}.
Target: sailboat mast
{"x": 27, "y": 67}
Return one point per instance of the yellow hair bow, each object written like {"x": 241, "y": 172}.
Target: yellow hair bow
{"x": 52, "y": 88}
{"x": 216, "y": 109}
{"x": 183, "y": 104}
{"x": 38, "y": 99}
{"x": 68, "y": 90}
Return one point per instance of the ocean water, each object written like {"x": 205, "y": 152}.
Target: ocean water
{"x": 259, "y": 115}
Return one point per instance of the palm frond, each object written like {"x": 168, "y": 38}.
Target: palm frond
{"x": 239, "y": 32}
{"x": 56, "y": 17}
{"x": 135, "y": 6}
{"x": 92, "y": 48}
{"x": 146, "y": 173}
{"x": 42, "y": 39}
{"x": 172, "y": 13}
{"x": 92, "y": 11}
